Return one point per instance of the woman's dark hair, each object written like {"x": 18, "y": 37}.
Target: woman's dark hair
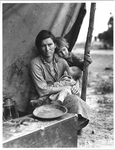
{"x": 43, "y": 34}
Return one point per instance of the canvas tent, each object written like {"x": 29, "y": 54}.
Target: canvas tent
{"x": 21, "y": 24}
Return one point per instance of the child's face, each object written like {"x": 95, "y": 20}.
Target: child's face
{"x": 63, "y": 52}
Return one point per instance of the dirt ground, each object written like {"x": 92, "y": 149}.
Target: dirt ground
{"x": 99, "y": 133}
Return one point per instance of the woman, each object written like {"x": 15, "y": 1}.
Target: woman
{"x": 48, "y": 68}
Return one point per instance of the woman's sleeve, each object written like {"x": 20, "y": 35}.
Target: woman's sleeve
{"x": 66, "y": 67}
{"x": 38, "y": 79}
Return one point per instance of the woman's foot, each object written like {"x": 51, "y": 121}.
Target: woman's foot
{"x": 82, "y": 122}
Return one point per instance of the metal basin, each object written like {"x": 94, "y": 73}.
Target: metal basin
{"x": 50, "y": 111}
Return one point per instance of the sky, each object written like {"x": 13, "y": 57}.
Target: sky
{"x": 102, "y": 14}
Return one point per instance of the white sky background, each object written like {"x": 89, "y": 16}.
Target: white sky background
{"x": 102, "y": 15}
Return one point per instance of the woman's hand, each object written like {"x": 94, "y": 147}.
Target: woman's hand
{"x": 75, "y": 90}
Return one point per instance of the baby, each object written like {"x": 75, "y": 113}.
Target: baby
{"x": 65, "y": 80}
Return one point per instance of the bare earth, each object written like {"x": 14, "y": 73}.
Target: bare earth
{"x": 99, "y": 133}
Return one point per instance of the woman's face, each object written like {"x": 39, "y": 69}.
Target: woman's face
{"x": 63, "y": 52}
{"x": 47, "y": 48}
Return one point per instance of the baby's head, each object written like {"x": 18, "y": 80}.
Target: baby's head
{"x": 75, "y": 72}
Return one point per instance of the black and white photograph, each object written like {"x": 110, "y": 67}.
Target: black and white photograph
{"x": 57, "y": 74}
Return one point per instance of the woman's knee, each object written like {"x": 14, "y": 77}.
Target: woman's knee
{"x": 71, "y": 104}
{"x": 71, "y": 100}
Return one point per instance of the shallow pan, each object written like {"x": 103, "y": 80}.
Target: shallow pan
{"x": 50, "y": 111}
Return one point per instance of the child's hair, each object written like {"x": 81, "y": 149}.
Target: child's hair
{"x": 61, "y": 42}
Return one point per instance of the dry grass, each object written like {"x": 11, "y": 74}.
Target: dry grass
{"x": 99, "y": 132}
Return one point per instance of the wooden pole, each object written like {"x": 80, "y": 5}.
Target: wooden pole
{"x": 87, "y": 51}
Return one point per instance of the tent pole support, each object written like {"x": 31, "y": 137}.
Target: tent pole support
{"x": 87, "y": 52}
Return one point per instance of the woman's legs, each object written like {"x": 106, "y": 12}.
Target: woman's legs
{"x": 75, "y": 104}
